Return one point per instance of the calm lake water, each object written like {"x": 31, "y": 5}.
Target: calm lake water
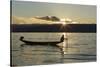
{"x": 80, "y": 47}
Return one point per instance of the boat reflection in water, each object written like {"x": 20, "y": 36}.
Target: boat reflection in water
{"x": 50, "y": 43}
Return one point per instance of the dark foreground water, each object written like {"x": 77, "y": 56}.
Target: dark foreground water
{"x": 80, "y": 47}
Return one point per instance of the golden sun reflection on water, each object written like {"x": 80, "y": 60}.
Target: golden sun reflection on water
{"x": 65, "y": 43}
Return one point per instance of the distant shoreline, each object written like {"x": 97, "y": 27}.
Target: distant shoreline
{"x": 81, "y": 28}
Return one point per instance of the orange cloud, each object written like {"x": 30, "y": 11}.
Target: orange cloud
{"x": 85, "y": 20}
{"x": 25, "y": 20}
{"x": 34, "y": 20}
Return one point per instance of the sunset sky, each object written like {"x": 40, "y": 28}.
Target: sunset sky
{"x": 26, "y": 11}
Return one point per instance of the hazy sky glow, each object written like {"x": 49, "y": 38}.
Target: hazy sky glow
{"x": 31, "y": 9}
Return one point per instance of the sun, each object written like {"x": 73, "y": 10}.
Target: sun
{"x": 61, "y": 22}
{"x": 75, "y": 22}
{"x": 64, "y": 23}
